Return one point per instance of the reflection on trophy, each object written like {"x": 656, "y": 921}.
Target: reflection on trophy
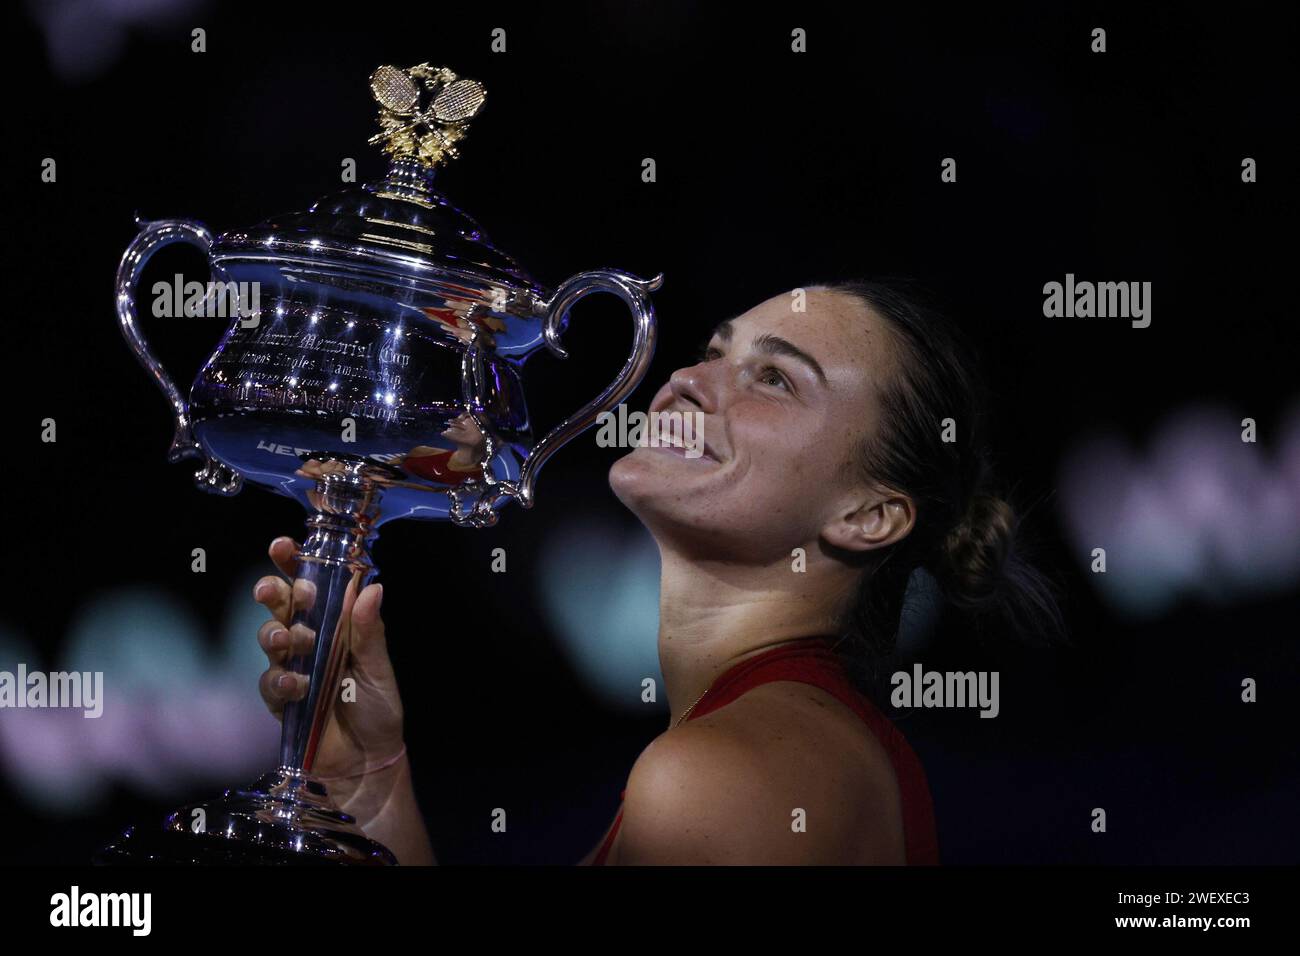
{"x": 380, "y": 378}
{"x": 454, "y": 467}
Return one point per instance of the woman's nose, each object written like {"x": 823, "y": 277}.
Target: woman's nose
{"x": 693, "y": 384}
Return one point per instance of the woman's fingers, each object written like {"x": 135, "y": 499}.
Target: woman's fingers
{"x": 281, "y": 643}
{"x": 278, "y": 686}
{"x": 278, "y": 640}
{"x": 283, "y": 551}
{"x": 369, "y": 644}
{"x": 274, "y": 594}
{"x": 283, "y": 599}
{"x": 273, "y": 638}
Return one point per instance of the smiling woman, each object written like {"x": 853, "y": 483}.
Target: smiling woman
{"x": 830, "y": 412}
{"x": 843, "y": 450}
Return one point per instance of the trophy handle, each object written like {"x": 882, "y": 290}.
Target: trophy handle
{"x": 636, "y": 294}
{"x": 152, "y": 237}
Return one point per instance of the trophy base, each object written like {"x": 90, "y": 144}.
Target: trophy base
{"x": 284, "y": 819}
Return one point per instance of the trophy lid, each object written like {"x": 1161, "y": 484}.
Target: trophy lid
{"x": 398, "y": 226}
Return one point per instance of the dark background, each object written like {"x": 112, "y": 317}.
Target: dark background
{"x": 774, "y": 170}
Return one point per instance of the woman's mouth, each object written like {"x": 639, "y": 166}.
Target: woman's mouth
{"x": 680, "y": 450}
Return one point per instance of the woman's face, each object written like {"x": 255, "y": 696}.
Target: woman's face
{"x": 784, "y": 400}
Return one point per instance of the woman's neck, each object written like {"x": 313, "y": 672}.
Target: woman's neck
{"x": 713, "y": 615}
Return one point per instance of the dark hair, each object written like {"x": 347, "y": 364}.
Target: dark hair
{"x": 967, "y": 535}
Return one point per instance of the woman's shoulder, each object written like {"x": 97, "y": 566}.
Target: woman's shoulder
{"x": 814, "y": 739}
{"x": 784, "y": 774}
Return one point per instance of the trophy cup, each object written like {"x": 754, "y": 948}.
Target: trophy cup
{"x": 378, "y": 378}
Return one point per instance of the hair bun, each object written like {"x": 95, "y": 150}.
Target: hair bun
{"x": 975, "y": 551}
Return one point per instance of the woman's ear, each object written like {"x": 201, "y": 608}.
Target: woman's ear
{"x": 880, "y": 521}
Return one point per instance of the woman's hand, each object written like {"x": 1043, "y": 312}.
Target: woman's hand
{"x": 358, "y": 734}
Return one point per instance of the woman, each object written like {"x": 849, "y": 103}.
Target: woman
{"x": 842, "y": 451}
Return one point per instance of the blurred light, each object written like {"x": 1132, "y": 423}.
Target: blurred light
{"x": 1201, "y": 513}
{"x": 599, "y": 588}
{"x": 84, "y": 38}
{"x": 176, "y": 716}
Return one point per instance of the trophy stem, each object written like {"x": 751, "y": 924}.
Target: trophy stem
{"x": 333, "y": 567}
{"x": 287, "y": 815}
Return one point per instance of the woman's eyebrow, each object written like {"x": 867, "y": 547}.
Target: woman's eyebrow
{"x": 770, "y": 344}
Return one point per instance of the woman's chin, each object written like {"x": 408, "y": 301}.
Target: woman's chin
{"x": 640, "y": 477}
{"x": 626, "y": 477}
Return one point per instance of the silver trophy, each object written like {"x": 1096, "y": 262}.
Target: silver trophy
{"x": 378, "y": 377}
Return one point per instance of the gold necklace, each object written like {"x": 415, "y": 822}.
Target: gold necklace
{"x": 687, "y": 712}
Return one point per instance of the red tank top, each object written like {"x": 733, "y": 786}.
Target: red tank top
{"x": 813, "y": 661}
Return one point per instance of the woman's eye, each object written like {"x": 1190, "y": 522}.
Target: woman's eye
{"x": 771, "y": 375}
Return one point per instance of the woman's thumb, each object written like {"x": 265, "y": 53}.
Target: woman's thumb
{"x": 368, "y": 644}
